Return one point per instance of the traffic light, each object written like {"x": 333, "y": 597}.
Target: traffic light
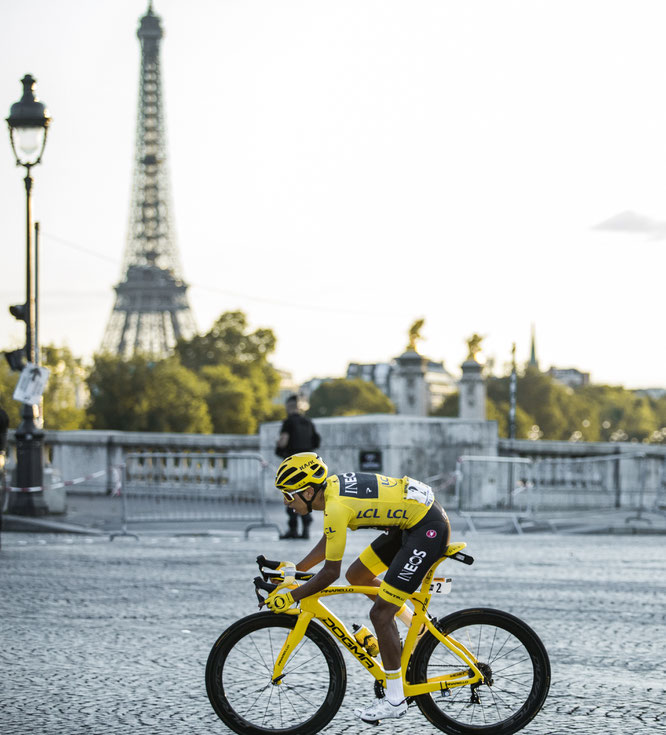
{"x": 16, "y": 359}
{"x": 20, "y": 312}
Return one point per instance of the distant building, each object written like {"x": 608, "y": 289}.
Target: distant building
{"x": 378, "y": 373}
{"x": 570, "y": 376}
{"x": 288, "y": 387}
{"x": 655, "y": 393}
{"x": 533, "y": 363}
{"x": 415, "y": 384}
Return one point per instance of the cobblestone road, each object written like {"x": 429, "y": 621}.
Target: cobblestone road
{"x": 112, "y": 638}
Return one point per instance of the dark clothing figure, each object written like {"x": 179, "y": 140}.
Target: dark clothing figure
{"x": 4, "y": 426}
{"x": 297, "y": 434}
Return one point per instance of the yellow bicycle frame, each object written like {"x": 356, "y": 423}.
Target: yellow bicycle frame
{"x": 312, "y": 608}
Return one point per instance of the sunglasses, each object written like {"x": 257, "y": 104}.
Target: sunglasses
{"x": 291, "y": 496}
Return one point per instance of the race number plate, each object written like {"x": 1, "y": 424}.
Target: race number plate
{"x": 440, "y": 586}
{"x": 419, "y": 491}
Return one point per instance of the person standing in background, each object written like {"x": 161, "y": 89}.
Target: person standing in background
{"x": 297, "y": 434}
{"x": 4, "y": 427}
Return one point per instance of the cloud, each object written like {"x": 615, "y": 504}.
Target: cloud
{"x": 632, "y": 222}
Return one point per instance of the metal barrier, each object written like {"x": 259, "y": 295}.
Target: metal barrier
{"x": 197, "y": 487}
{"x": 516, "y": 488}
{"x": 581, "y": 483}
{"x": 495, "y": 488}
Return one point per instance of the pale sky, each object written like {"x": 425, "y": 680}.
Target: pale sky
{"x": 342, "y": 168}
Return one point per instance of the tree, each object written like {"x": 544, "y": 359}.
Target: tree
{"x": 342, "y": 397}
{"x": 545, "y": 401}
{"x": 246, "y": 354}
{"x": 8, "y": 381}
{"x": 142, "y": 395}
{"x": 66, "y": 395}
{"x": 449, "y": 407}
{"x": 230, "y": 401}
{"x": 499, "y": 411}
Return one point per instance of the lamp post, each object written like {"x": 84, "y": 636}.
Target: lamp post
{"x": 28, "y": 123}
{"x": 512, "y": 424}
{"x": 512, "y": 396}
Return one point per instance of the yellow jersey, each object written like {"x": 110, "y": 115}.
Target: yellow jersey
{"x": 363, "y": 500}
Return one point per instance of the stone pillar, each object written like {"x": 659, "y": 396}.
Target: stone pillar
{"x": 409, "y": 391}
{"x": 472, "y": 391}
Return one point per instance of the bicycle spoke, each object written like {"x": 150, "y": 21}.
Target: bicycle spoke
{"x": 503, "y": 657}
{"x": 507, "y": 653}
{"x": 282, "y": 705}
{"x": 251, "y": 707}
{"x": 492, "y": 644}
{"x": 254, "y": 643}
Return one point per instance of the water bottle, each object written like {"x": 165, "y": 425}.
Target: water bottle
{"x": 366, "y": 639}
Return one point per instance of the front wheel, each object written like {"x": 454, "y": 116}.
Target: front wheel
{"x": 516, "y": 672}
{"x": 239, "y": 678}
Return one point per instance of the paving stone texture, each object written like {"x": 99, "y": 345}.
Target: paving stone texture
{"x": 111, "y": 638}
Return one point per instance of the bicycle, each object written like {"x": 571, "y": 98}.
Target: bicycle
{"x": 285, "y": 674}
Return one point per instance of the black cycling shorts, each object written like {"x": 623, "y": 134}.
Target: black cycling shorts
{"x": 409, "y": 553}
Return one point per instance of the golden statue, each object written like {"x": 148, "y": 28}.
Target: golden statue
{"x": 474, "y": 346}
{"x": 415, "y": 334}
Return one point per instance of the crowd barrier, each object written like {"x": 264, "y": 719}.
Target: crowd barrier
{"x": 198, "y": 487}
{"x": 517, "y": 488}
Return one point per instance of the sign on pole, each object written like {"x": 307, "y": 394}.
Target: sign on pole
{"x": 31, "y": 384}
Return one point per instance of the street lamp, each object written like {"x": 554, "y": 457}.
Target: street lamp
{"x": 28, "y": 123}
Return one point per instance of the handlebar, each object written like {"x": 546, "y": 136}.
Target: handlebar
{"x": 270, "y": 581}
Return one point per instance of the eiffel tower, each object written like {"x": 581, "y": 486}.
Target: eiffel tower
{"x": 151, "y": 309}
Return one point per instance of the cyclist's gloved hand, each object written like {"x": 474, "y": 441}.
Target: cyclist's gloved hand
{"x": 280, "y": 600}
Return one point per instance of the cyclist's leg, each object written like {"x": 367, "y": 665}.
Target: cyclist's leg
{"x": 393, "y": 704}
{"x": 375, "y": 559}
{"x": 420, "y": 549}
{"x": 421, "y": 546}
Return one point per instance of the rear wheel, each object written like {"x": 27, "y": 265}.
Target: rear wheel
{"x": 513, "y": 660}
{"x": 239, "y": 678}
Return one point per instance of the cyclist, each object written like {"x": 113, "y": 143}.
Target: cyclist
{"x": 416, "y": 534}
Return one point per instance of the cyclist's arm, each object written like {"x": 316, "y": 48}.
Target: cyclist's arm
{"x": 327, "y": 575}
{"x": 331, "y": 547}
{"x": 312, "y": 558}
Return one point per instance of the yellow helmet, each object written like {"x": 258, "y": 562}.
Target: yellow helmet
{"x": 300, "y": 470}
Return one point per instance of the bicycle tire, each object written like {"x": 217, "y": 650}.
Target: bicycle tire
{"x": 519, "y": 671}
{"x": 239, "y": 685}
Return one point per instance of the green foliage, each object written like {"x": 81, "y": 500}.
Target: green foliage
{"x": 65, "y": 395}
{"x": 230, "y": 401}
{"x": 228, "y": 343}
{"x": 499, "y": 411}
{"x": 343, "y": 397}
{"x": 221, "y": 381}
{"x": 449, "y": 407}
{"x": 246, "y": 355}
{"x": 8, "y": 381}
{"x": 142, "y": 395}
{"x": 549, "y": 410}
